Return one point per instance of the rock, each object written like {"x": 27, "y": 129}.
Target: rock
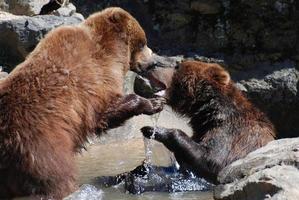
{"x": 20, "y": 34}
{"x": 277, "y": 183}
{"x": 178, "y": 20}
{"x": 275, "y": 91}
{"x": 206, "y": 6}
{"x": 269, "y": 172}
{"x": 278, "y": 152}
{"x": 67, "y": 10}
{"x": 3, "y": 5}
{"x": 213, "y": 26}
{"x": 3, "y": 75}
{"x": 23, "y": 7}
{"x": 86, "y": 192}
{"x": 149, "y": 178}
{"x": 79, "y": 16}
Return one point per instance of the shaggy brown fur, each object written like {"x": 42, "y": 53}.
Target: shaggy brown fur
{"x": 226, "y": 126}
{"x": 69, "y": 87}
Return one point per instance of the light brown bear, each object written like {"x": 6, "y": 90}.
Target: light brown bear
{"x": 68, "y": 88}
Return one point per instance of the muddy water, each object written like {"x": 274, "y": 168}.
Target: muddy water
{"x": 123, "y": 149}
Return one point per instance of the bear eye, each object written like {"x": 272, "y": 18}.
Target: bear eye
{"x": 141, "y": 46}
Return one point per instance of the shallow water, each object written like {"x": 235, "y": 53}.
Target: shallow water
{"x": 117, "y": 158}
{"x": 123, "y": 149}
{"x": 114, "y": 194}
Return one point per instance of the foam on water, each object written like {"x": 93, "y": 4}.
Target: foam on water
{"x": 86, "y": 192}
{"x": 190, "y": 183}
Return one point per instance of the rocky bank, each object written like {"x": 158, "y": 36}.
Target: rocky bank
{"x": 271, "y": 172}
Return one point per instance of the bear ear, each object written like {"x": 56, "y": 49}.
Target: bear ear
{"x": 118, "y": 15}
{"x": 218, "y": 74}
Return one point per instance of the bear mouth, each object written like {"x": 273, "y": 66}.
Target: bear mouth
{"x": 154, "y": 82}
{"x": 149, "y": 86}
{"x": 156, "y": 76}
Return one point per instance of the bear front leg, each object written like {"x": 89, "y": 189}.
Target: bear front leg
{"x": 175, "y": 140}
{"x": 132, "y": 105}
{"x": 186, "y": 150}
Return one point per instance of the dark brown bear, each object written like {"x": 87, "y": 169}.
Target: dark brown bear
{"x": 226, "y": 126}
{"x": 68, "y": 88}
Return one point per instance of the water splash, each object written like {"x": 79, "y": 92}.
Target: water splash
{"x": 189, "y": 182}
{"x": 86, "y": 192}
{"x": 149, "y": 147}
{"x": 149, "y": 143}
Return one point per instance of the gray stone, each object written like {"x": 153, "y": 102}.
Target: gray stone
{"x": 79, "y": 16}
{"x": 3, "y": 5}
{"x": 67, "y": 10}
{"x": 177, "y": 20}
{"x": 20, "y": 34}
{"x": 276, "y": 183}
{"x": 3, "y": 74}
{"x": 280, "y": 85}
{"x": 206, "y": 6}
{"x": 245, "y": 32}
{"x": 23, "y": 7}
{"x": 283, "y": 151}
{"x": 271, "y": 172}
{"x": 275, "y": 91}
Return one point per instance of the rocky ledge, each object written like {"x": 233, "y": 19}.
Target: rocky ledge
{"x": 19, "y": 34}
{"x": 271, "y": 172}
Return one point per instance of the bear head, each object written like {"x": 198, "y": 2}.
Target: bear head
{"x": 120, "y": 31}
{"x": 189, "y": 82}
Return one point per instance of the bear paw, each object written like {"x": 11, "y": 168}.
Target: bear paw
{"x": 154, "y": 105}
{"x": 157, "y": 133}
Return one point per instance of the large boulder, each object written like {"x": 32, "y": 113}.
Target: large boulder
{"x": 275, "y": 91}
{"x": 20, "y": 34}
{"x": 269, "y": 172}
